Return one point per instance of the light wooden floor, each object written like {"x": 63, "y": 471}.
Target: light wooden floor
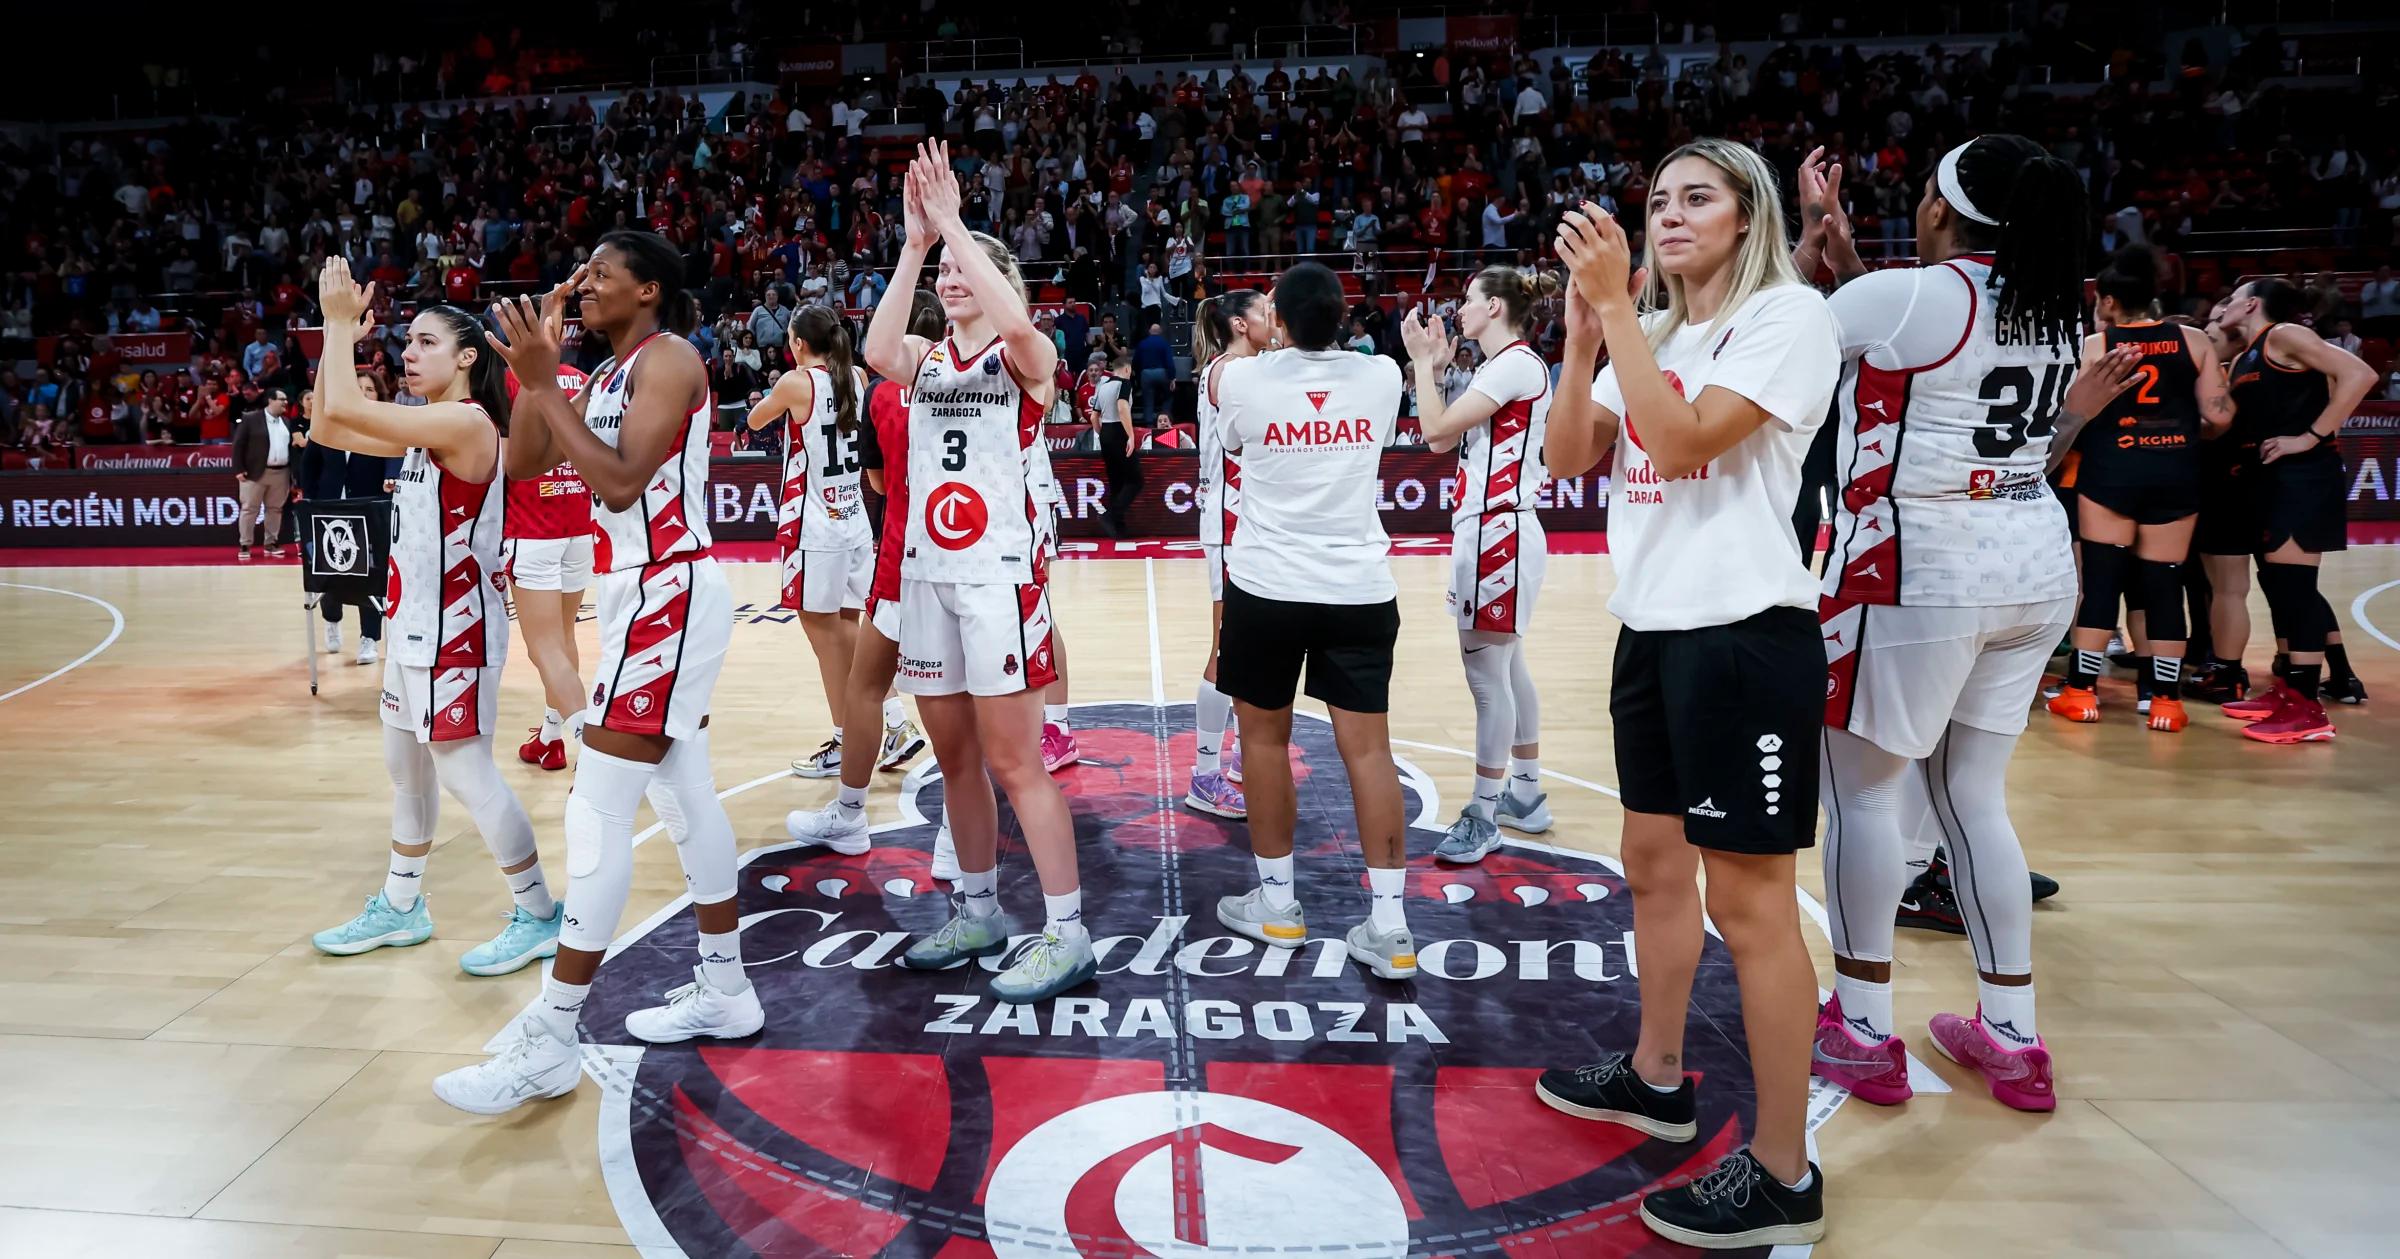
{"x": 181, "y": 1076}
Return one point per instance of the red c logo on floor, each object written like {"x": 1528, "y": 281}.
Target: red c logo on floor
{"x": 955, "y": 516}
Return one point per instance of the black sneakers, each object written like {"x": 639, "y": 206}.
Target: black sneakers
{"x": 1737, "y": 1204}
{"x": 2220, "y": 683}
{"x": 2347, "y": 690}
{"x": 1611, "y": 1091}
{"x": 1930, "y": 905}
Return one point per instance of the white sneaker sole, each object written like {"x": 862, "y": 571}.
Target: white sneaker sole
{"x": 1531, "y": 824}
{"x": 1467, "y": 859}
{"x": 1640, "y": 1123}
{"x": 477, "y": 1106}
{"x": 510, "y": 966}
{"x": 1258, "y": 931}
{"x": 388, "y": 940}
{"x": 857, "y": 847}
{"x": 1192, "y": 800}
{"x": 728, "y": 1031}
{"x": 1379, "y": 964}
{"x": 1776, "y": 1235}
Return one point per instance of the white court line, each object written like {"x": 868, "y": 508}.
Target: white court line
{"x": 2358, "y": 613}
{"x": 116, "y": 627}
{"x": 1158, "y": 666}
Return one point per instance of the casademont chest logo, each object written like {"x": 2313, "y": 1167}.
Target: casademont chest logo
{"x": 1205, "y": 1096}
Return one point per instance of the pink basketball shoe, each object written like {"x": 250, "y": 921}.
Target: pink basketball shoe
{"x": 1873, "y": 1073}
{"x": 2017, "y": 1077}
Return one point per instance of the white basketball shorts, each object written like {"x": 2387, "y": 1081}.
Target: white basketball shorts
{"x": 981, "y": 639}
{"x": 440, "y": 705}
{"x": 1496, "y": 566}
{"x": 551, "y": 563}
{"x": 828, "y": 581}
{"x": 663, "y": 633}
{"x": 1897, "y": 677}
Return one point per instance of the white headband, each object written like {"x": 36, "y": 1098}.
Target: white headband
{"x": 1946, "y": 178}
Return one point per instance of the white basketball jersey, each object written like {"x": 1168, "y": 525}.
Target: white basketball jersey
{"x": 821, "y": 508}
{"x": 1939, "y": 460}
{"x": 443, "y": 589}
{"x": 1040, "y": 477}
{"x": 1219, "y": 499}
{"x": 670, "y": 522}
{"x": 1500, "y": 461}
{"x": 970, "y": 518}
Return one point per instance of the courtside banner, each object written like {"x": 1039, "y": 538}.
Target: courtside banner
{"x": 183, "y": 506}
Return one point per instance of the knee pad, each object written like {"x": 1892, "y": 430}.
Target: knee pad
{"x": 2293, "y": 601}
{"x": 599, "y": 875}
{"x": 2105, "y": 567}
{"x": 2162, "y": 598}
{"x": 467, "y": 773}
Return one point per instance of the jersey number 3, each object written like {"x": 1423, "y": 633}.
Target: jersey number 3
{"x": 2019, "y": 410}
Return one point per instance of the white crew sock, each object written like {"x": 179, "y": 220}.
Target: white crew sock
{"x": 553, "y": 725}
{"x": 1210, "y": 711}
{"x": 1866, "y": 1007}
{"x": 404, "y": 881}
{"x": 1065, "y": 915}
{"x": 894, "y": 713}
{"x": 980, "y": 889}
{"x": 1275, "y": 879}
{"x": 532, "y": 892}
{"x": 852, "y": 798}
{"x": 561, "y": 1005}
{"x": 1807, "y": 1178}
{"x": 1487, "y": 796}
{"x": 1386, "y": 887}
{"x": 2008, "y": 1013}
{"x": 1525, "y": 776}
{"x": 721, "y": 962}
{"x": 1055, "y": 715}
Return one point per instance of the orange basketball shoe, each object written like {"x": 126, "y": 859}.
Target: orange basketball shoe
{"x": 2077, "y": 703}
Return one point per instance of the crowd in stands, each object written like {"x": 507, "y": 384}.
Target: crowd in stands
{"x": 1128, "y": 195}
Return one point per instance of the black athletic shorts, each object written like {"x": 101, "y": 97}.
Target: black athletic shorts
{"x": 1346, "y": 649}
{"x": 2305, "y": 501}
{"x": 2143, "y": 504}
{"x": 1719, "y": 726}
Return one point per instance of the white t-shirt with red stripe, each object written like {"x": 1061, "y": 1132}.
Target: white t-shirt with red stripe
{"x": 1500, "y": 460}
{"x": 1716, "y": 546}
{"x": 670, "y": 520}
{"x": 1943, "y": 434}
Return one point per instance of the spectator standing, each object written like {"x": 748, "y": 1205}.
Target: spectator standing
{"x": 1155, "y": 360}
{"x": 262, "y": 454}
{"x": 771, "y": 323}
{"x": 2378, "y": 302}
{"x": 1236, "y": 208}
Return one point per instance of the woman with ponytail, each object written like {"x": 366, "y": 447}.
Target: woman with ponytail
{"x": 1226, "y": 330}
{"x": 448, "y": 626}
{"x": 1950, "y": 578}
{"x": 1498, "y": 552}
{"x": 2137, "y": 482}
{"x": 821, "y": 525}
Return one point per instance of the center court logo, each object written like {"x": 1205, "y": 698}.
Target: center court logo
{"x": 1207, "y": 1096}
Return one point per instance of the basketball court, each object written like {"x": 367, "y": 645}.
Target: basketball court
{"x": 185, "y": 1076}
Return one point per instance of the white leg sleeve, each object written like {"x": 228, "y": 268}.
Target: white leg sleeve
{"x": 1919, "y": 833}
{"x": 467, "y": 773}
{"x": 416, "y": 793}
{"x": 1529, "y": 703}
{"x": 600, "y": 846}
{"x": 1967, "y": 777}
{"x": 685, "y": 795}
{"x": 1486, "y": 657}
{"x": 1865, "y": 872}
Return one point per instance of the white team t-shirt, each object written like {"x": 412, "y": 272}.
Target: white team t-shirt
{"x": 1716, "y": 546}
{"x": 1309, "y": 427}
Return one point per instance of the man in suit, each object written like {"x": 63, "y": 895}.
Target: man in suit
{"x": 263, "y": 452}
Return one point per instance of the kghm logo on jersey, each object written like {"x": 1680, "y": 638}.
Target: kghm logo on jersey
{"x": 1206, "y": 1095}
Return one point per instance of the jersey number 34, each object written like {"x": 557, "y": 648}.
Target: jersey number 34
{"x": 2020, "y": 410}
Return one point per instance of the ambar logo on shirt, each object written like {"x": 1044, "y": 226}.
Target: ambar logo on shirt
{"x": 1319, "y": 434}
